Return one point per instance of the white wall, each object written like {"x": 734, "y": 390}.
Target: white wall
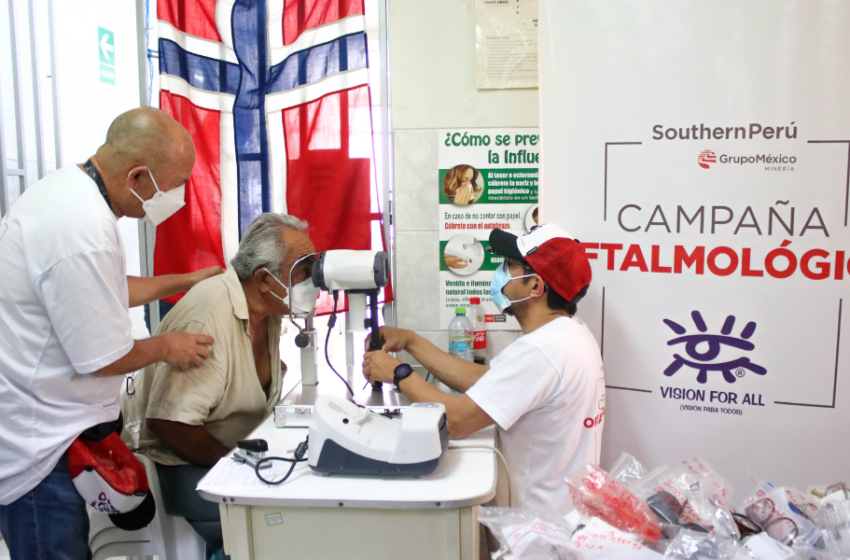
{"x": 86, "y": 105}
{"x": 432, "y": 60}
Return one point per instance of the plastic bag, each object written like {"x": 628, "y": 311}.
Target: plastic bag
{"x": 527, "y": 535}
{"x": 691, "y": 545}
{"x": 768, "y": 507}
{"x": 628, "y": 471}
{"x": 835, "y": 522}
{"x": 596, "y": 493}
{"x": 691, "y": 495}
{"x": 597, "y": 540}
{"x": 762, "y": 547}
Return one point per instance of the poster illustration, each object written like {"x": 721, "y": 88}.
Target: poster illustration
{"x": 487, "y": 180}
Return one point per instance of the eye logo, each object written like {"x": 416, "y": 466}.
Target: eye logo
{"x": 705, "y": 158}
{"x": 731, "y": 369}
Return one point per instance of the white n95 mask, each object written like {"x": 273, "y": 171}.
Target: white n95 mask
{"x": 162, "y": 205}
{"x": 300, "y": 298}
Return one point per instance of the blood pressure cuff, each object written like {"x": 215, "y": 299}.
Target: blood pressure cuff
{"x": 112, "y": 480}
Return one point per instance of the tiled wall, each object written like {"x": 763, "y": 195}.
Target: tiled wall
{"x": 417, "y": 240}
{"x": 432, "y": 53}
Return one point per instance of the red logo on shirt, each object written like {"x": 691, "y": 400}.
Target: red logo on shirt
{"x": 593, "y": 422}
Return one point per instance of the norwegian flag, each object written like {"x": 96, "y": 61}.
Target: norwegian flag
{"x": 275, "y": 96}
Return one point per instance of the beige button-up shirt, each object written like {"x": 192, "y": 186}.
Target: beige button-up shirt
{"x": 224, "y": 395}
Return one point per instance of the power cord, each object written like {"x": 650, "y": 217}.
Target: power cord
{"x": 331, "y": 323}
{"x": 502, "y": 457}
{"x": 298, "y": 457}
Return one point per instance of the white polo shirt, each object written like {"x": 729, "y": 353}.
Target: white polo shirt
{"x": 64, "y": 308}
{"x": 546, "y": 393}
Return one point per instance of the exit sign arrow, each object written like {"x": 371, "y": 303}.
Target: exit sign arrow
{"x": 105, "y": 47}
{"x": 106, "y": 54}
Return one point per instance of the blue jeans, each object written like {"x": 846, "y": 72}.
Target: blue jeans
{"x": 49, "y": 522}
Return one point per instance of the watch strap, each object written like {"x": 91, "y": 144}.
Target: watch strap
{"x": 400, "y": 373}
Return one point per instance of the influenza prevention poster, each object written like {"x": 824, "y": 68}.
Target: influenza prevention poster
{"x": 487, "y": 180}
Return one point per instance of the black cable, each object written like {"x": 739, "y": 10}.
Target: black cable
{"x": 298, "y": 457}
{"x": 331, "y": 323}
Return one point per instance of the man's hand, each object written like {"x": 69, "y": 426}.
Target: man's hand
{"x": 203, "y": 274}
{"x": 395, "y": 339}
{"x": 379, "y": 366}
{"x": 185, "y": 350}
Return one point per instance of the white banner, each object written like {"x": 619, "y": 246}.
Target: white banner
{"x": 702, "y": 151}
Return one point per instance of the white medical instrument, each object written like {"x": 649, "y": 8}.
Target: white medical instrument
{"x": 346, "y": 438}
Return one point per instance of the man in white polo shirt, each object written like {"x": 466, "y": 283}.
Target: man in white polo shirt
{"x": 545, "y": 392}
{"x": 65, "y": 338}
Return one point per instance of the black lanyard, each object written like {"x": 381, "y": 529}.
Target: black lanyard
{"x": 98, "y": 180}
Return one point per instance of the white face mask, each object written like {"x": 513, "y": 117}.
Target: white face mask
{"x": 300, "y": 298}
{"x": 162, "y": 205}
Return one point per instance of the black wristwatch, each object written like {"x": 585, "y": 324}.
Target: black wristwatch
{"x": 401, "y": 372}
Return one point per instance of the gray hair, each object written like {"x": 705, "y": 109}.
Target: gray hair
{"x": 263, "y": 246}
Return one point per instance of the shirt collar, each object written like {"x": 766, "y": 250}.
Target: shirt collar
{"x": 236, "y": 293}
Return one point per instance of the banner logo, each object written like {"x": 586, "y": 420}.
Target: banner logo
{"x": 703, "y": 361}
{"x": 705, "y": 158}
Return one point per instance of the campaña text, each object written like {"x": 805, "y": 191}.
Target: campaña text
{"x": 782, "y": 262}
{"x": 722, "y": 133}
{"x": 783, "y": 219}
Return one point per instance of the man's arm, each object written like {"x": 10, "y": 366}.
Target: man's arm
{"x": 178, "y": 349}
{"x": 458, "y": 374}
{"x": 147, "y": 289}
{"x": 464, "y": 416}
{"x": 193, "y": 444}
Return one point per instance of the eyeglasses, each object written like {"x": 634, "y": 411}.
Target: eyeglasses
{"x": 777, "y": 526}
{"x": 669, "y": 509}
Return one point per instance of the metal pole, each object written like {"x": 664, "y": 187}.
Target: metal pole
{"x": 142, "y": 47}
{"x": 36, "y": 91}
{"x": 4, "y": 206}
{"x": 386, "y": 162}
{"x": 147, "y": 232}
{"x": 19, "y": 94}
{"x": 54, "y": 86}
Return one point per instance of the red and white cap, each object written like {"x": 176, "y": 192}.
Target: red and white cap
{"x": 552, "y": 253}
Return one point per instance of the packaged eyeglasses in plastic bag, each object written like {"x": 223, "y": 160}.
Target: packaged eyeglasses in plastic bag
{"x": 526, "y": 535}
{"x": 596, "y": 493}
{"x": 690, "y": 495}
{"x": 692, "y": 545}
{"x": 768, "y": 507}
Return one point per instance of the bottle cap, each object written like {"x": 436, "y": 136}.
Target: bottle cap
{"x": 460, "y": 311}
{"x": 474, "y": 300}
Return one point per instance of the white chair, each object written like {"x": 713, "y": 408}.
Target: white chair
{"x": 168, "y": 537}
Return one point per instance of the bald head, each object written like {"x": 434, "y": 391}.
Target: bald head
{"x": 146, "y": 137}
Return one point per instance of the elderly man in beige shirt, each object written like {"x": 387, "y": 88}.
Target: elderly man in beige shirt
{"x": 195, "y": 418}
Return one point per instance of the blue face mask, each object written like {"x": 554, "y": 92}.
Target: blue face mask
{"x": 500, "y": 279}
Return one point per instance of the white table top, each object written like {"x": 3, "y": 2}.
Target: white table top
{"x": 464, "y": 477}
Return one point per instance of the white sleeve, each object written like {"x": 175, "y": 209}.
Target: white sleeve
{"x": 522, "y": 380}
{"x": 86, "y": 298}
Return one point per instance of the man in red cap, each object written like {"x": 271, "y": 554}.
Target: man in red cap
{"x": 545, "y": 392}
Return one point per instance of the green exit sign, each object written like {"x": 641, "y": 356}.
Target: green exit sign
{"x": 106, "y": 52}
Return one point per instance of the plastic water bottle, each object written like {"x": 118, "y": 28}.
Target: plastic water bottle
{"x": 476, "y": 315}
{"x": 461, "y": 335}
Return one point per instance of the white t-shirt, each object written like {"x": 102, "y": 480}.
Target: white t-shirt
{"x": 63, "y": 303}
{"x": 546, "y": 393}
